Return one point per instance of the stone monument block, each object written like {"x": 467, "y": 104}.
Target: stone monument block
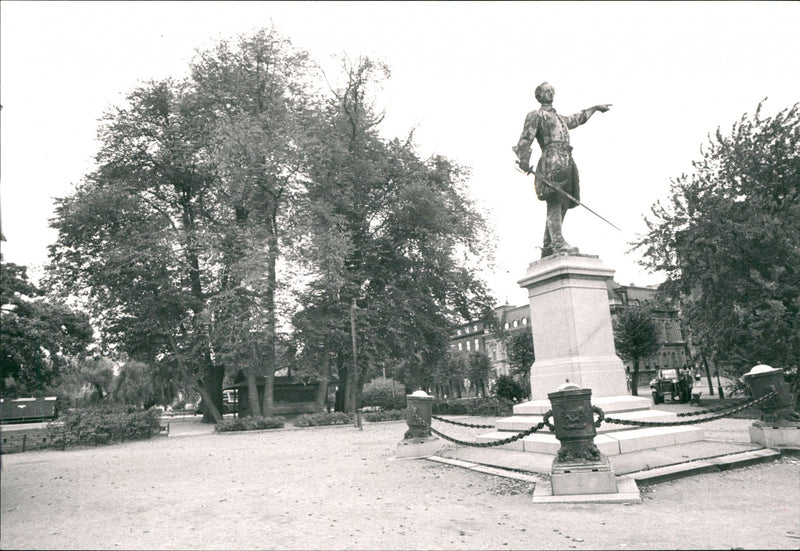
{"x": 573, "y": 337}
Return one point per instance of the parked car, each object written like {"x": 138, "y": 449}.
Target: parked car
{"x": 675, "y": 383}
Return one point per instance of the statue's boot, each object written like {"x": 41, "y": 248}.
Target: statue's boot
{"x": 566, "y": 248}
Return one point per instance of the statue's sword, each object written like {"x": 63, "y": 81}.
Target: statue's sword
{"x": 568, "y": 196}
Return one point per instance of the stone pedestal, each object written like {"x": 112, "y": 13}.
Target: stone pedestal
{"x": 571, "y": 323}
{"x": 582, "y": 478}
{"x": 419, "y": 448}
{"x": 779, "y": 435}
{"x": 418, "y": 441}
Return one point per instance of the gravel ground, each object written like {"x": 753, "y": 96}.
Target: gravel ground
{"x": 339, "y": 488}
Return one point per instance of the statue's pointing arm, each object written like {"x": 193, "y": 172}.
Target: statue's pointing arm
{"x": 573, "y": 121}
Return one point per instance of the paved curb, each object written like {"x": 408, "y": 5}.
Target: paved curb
{"x": 721, "y": 463}
{"x": 496, "y": 471}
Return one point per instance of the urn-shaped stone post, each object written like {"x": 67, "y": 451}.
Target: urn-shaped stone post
{"x": 418, "y": 441}
{"x": 579, "y": 467}
{"x": 762, "y": 380}
{"x": 419, "y": 407}
{"x": 573, "y": 418}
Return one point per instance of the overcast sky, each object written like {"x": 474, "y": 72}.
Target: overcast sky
{"x": 463, "y": 74}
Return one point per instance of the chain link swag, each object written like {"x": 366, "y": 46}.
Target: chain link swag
{"x": 729, "y": 411}
{"x": 726, "y": 410}
{"x": 462, "y": 424}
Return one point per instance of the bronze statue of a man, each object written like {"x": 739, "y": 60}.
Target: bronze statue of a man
{"x": 556, "y": 168}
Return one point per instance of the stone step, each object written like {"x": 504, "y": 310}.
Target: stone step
{"x": 609, "y": 404}
{"x": 613, "y": 443}
{"x": 519, "y": 423}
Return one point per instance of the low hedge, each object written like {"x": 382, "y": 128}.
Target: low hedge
{"x": 103, "y": 425}
{"x": 390, "y": 415}
{"x": 384, "y": 394}
{"x": 323, "y": 419}
{"x": 250, "y": 423}
{"x": 486, "y": 407}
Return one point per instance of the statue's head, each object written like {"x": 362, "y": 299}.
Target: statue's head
{"x": 544, "y": 93}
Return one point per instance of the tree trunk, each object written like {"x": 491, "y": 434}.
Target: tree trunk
{"x": 708, "y": 376}
{"x": 210, "y": 408}
{"x": 344, "y": 394}
{"x": 210, "y": 412}
{"x": 269, "y": 303}
{"x": 253, "y": 401}
{"x": 269, "y": 393}
{"x": 324, "y": 377}
{"x": 635, "y": 378}
{"x": 212, "y": 400}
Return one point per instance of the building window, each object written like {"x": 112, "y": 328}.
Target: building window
{"x": 460, "y": 347}
{"x": 506, "y": 325}
{"x": 516, "y": 323}
{"x": 524, "y": 321}
{"x": 477, "y": 345}
{"x": 469, "y": 346}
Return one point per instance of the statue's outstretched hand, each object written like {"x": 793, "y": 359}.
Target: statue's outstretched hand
{"x": 603, "y": 108}
{"x": 525, "y": 167}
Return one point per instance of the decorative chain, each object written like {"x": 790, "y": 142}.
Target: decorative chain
{"x": 729, "y": 411}
{"x": 720, "y": 408}
{"x": 482, "y": 444}
{"x": 462, "y": 424}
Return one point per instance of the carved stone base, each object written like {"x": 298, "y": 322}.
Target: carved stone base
{"x": 571, "y": 325}
{"x": 780, "y": 435}
{"x": 419, "y": 448}
{"x": 583, "y": 477}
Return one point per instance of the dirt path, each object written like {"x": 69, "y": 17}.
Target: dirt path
{"x": 338, "y": 488}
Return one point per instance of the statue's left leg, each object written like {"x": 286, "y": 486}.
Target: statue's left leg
{"x": 558, "y": 212}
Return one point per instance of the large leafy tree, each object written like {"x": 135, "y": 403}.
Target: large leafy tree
{"x": 136, "y": 238}
{"x": 258, "y": 92}
{"x": 177, "y": 233}
{"x": 635, "y": 337}
{"x": 38, "y": 336}
{"x": 520, "y": 351}
{"x": 727, "y": 240}
{"x": 390, "y": 233}
{"x": 143, "y": 385}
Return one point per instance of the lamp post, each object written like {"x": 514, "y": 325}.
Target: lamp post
{"x": 356, "y": 416}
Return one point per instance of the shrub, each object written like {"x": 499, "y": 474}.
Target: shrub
{"x": 103, "y": 424}
{"x": 250, "y": 423}
{"x": 323, "y": 419}
{"x": 378, "y": 393}
{"x": 489, "y": 407}
{"x": 509, "y": 389}
{"x": 391, "y": 415}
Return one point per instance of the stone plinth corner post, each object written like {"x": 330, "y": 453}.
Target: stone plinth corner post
{"x": 418, "y": 442}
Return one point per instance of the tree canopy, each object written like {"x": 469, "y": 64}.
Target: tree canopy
{"x": 392, "y": 234}
{"x": 38, "y": 336}
{"x": 635, "y": 337}
{"x": 728, "y": 240}
{"x": 206, "y": 188}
